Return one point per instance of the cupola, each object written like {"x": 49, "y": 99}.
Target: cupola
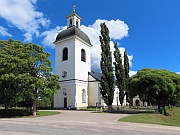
{"x": 73, "y": 19}
{"x": 73, "y": 29}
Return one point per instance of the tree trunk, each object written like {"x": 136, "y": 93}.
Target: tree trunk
{"x": 109, "y": 107}
{"x": 34, "y": 107}
{"x": 159, "y": 108}
{"x": 6, "y": 106}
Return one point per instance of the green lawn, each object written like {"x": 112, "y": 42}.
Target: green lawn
{"x": 47, "y": 113}
{"x": 172, "y": 120}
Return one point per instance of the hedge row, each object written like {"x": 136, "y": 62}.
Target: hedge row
{"x": 15, "y": 112}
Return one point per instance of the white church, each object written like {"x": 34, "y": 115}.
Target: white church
{"x": 80, "y": 87}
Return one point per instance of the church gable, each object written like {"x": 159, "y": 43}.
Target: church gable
{"x": 94, "y": 76}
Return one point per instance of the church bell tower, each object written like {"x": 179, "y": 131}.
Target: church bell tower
{"x": 72, "y": 64}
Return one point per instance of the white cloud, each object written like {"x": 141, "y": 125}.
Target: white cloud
{"x": 50, "y": 36}
{"x": 3, "y": 32}
{"x": 23, "y": 15}
{"x": 131, "y": 73}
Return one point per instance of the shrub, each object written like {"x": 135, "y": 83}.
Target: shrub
{"x": 15, "y": 112}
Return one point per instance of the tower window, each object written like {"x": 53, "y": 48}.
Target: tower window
{"x": 65, "y": 54}
{"x": 83, "y": 55}
{"x": 77, "y": 24}
{"x": 70, "y": 23}
{"x": 83, "y": 96}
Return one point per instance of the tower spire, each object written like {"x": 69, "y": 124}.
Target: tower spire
{"x": 74, "y": 9}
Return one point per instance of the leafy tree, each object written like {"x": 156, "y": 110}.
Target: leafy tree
{"x": 120, "y": 74}
{"x": 42, "y": 81}
{"x": 12, "y": 63}
{"x": 45, "y": 103}
{"x": 107, "y": 78}
{"x": 26, "y": 72}
{"x": 159, "y": 87}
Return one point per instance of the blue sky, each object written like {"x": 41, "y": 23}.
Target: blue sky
{"x": 149, "y": 30}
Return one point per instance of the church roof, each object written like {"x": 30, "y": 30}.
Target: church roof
{"x": 96, "y": 75}
{"x": 71, "y": 32}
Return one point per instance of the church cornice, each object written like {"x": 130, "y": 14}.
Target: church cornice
{"x": 77, "y": 80}
{"x": 74, "y": 14}
{"x": 57, "y": 43}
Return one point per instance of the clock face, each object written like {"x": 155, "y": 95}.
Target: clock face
{"x": 64, "y": 74}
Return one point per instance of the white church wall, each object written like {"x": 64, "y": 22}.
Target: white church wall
{"x": 116, "y": 98}
{"x": 57, "y": 99}
{"x": 81, "y": 68}
{"x": 66, "y": 65}
{"x": 90, "y": 78}
{"x": 79, "y": 87}
{"x": 94, "y": 92}
{"x": 69, "y": 88}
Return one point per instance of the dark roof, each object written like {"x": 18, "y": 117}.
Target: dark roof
{"x": 71, "y": 32}
{"x": 96, "y": 75}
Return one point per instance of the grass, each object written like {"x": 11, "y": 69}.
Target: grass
{"x": 172, "y": 120}
{"x": 47, "y": 113}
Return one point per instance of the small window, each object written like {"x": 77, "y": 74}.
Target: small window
{"x": 83, "y": 96}
{"x": 77, "y": 24}
{"x": 83, "y": 55}
{"x": 65, "y": 54}
{"x": 70, "y": 23}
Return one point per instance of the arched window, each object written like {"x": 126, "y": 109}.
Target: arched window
{"x": 77, "y": 24}
{"x": 83, "y": 55}
{"x": 70, "y": 23}
{"x": 83, "y": 96}
{"x": 65, "y": 54}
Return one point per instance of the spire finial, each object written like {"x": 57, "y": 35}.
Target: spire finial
{"x": 74, "y": 9}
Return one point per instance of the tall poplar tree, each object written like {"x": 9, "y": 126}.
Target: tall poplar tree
{"x": 119, "y": 72}
{"x": 126, "y": 72}
{"x": 107, "y": 78}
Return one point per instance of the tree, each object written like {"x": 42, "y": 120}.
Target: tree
{"x": 42, "y": 81}
{"x": 107, "y": 78}
{"x": 120, "y": 74}
{"x": 159, "y": 87}
{"x": 12, "y": 63}
{"x": 26, "y": 72}
{"x": 126, "y": 72}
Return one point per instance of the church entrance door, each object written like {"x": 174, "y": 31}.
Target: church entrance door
{"x": 65, "y": 102}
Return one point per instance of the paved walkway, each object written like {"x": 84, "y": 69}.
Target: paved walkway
{"x": 79, "y": 123}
